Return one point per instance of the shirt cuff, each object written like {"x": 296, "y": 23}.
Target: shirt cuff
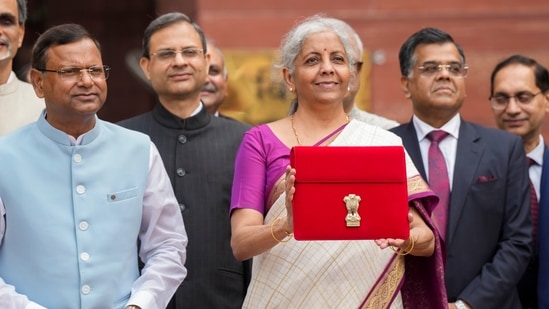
{"x": 142, "y": 299}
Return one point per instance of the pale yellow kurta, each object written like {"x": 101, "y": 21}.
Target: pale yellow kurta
{"x": 19, "y": 105}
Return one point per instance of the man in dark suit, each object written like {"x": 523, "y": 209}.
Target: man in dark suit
{"x": 519, "y": 96}
{"x": 485, "y": 222}
{"x": 198, "y": 151}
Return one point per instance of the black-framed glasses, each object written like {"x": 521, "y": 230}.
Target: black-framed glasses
{"x": 499, "y": 101}
{"x": 188, "y": 53}
{"x": 455, "y": 69}
{"x": 75, "y": 74}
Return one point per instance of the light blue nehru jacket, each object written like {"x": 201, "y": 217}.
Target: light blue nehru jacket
{"x": 73, "y": 214}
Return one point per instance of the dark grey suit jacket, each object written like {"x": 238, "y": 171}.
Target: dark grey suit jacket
{"x": 489, "y": 225}
{"x": 199, "y": 154}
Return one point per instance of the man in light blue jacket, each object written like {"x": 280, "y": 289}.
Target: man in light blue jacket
{"x": 78, "y": 194}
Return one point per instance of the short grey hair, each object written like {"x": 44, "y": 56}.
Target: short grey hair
{"x": 353, "y": 36}
{"x": 293, "y": 41}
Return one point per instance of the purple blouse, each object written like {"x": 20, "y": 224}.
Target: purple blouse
{"x": 261, "y": 160}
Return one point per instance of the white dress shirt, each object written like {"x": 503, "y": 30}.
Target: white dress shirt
{"x": 535, "y": 170}
{"x": 448, "y": 146}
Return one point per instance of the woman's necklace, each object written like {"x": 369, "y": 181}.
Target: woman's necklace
{"x": 295, "y": 131}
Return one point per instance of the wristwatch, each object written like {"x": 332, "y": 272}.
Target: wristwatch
{"x": 460, "y": 304}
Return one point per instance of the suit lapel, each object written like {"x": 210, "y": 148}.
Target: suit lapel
{"x": 468, "y": 155}
{"x": 410, "y": 142}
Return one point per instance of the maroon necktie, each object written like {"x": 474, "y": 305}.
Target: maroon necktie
{"x": 533, "y": 207}
{"x": 438, "y": 180}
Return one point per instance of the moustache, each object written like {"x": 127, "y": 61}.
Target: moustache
{"x": 4, "y": 41}
{"x": 209, "y": 88}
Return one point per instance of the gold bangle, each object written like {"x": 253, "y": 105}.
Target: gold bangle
{"x": 408, "y": 250}
{"x": 288, "y": 235}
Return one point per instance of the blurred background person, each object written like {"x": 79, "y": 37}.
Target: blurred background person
{"x": 316, "y": 62}
{"x": 519, "y": 96}
{"x": 198, "y": 150}
{"x": 479, "y": 174}
{"x": 215, "y": 89}
{"x": 19, "y": 104}
{"x": 354, "y": 86}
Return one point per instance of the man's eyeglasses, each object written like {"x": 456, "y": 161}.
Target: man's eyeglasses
{"x": 500, "y": 100}
{"x": 75, "y": 74}
{"x": 170, "y": 54}
{"x": 455, "y": 69}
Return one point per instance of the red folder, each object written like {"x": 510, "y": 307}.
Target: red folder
{"x": 350, "y": 193}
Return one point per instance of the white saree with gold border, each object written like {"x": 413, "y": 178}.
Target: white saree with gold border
{"x": 330, "y": 274}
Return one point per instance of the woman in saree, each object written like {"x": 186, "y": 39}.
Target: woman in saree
{"x": 316, "y": 60}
